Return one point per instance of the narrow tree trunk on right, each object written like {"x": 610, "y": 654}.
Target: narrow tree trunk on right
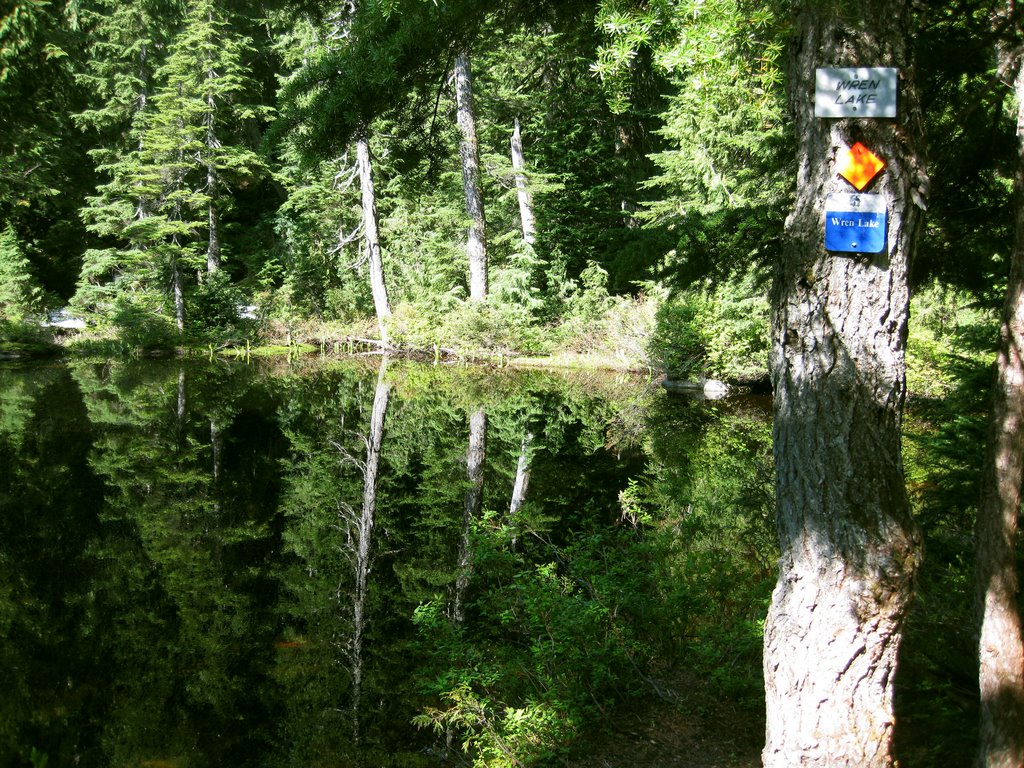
{"x": 1001, "y": 646}
{"x": 476, "y": 243}
{"x": 522, "y": 190}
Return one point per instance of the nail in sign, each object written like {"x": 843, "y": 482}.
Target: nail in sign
{"x": 855, "y": 92}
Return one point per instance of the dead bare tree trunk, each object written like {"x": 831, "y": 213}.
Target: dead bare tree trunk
{"x": 370, "y": 233}
{"x": 476, "y": 243}
{"x": 364, "y": 534}
{"x": 475, "y": 457}
{"x": 522, "y": 476}
{"x": 522, "y": 189}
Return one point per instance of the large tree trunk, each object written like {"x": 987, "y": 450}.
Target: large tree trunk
{"x": 476, "y": 243}
{"x": 1001, "y": 647}
{"x": 522, "y": 190}
{"x": 849, "y": 547}
{"x": 369, "y": 199}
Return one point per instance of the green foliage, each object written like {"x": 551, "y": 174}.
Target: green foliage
{"x": 950, "y": 374}
{"x": 142, "y": 323}
{"x": 712, "y": 483}
{"x": 176, "y": 155}
{"x": 972, "y": 151}
{"x": 678, "y": 345}
{"x": 571, "y": 640}
{"x": 949, "y": 330}
{"x": 214, "y": 307}
{"x": 19, "y": 294}
{"x": 715, "y": 330}
{"x": 44, "y": 171}
{"x": 724, "y": 124}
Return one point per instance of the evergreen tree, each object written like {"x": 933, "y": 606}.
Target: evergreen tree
{"x": 18, "y": 293}
{"x": 171, "y": 188}
{"x": 43, "y": 170}
{"x": 125, "y": 42}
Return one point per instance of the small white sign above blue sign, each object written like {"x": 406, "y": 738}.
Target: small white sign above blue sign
{"x": 855, "y": 91}
{"x": 855, "y": 223}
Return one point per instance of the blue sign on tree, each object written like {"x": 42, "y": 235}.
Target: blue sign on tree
{"x": 855, "y": 223}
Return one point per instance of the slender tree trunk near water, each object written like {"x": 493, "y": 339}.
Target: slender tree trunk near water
{"x": 212, "y": 145}
{"x": 476, "y": 243}
{"x": 521, "y": 485}
{"x": 849, "y": 546}
{"x": 178, "y": 288}
{"x": 522, "y": 481}
{"x": 364, "y": 534}
{"x": 475, "y": 456}
{"x": 370, "y": 233}
{"x": 522, "y": 190}
{"x": 1001, "y": 646}
{"x": 217, "y": 449}
{"x": 213, "y": 218}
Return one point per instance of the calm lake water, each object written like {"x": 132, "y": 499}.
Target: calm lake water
{"x": 221, "y": 564}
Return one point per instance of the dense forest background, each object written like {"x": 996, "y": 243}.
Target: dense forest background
{"x": 189, "y": 172}
{"x": 529, "y": 177}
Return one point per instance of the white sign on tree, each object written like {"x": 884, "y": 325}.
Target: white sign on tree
{"x": 855, "y": 92}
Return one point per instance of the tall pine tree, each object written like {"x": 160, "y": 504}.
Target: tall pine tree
{"x": 171, "y": 185}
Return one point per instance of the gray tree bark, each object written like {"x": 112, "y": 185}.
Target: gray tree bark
{"x": 372, "y": 237}
{"x": 849, "y": 546}
{"x": 476, "y": 242}
{"x": 522, "y": 189}
{"x": 178, "y": 288}
{"x": 1001, "y": 646}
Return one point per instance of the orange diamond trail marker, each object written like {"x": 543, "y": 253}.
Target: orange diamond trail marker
{"x": 859, "y": 165}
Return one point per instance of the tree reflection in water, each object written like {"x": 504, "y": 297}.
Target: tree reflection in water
{"x": 225, "y": 564}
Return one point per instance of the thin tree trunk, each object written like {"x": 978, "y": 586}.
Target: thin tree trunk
{"x": 213, "y": 222}
{"x": 180, "y": 409}
{"x": 849, "y": 546}
{"x": 475, "y": 457}
{"x": 522, "y": 190}
{"x": 217, "y": 449}
{"x": 476, "y": 243}
{"x": 522, "y": 476}
{"x": 1001, "y": 646}
{"x": 364, "y": 533}
{"x": 179, "y": 296}
{"x": 141, "y": 211}
{"x": 521, "y": 485}
{"x": 212, "y": 145}
{"x": 369, "y": 200}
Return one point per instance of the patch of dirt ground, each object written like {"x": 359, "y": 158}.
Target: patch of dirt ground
{"x": 695, "y": 728}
